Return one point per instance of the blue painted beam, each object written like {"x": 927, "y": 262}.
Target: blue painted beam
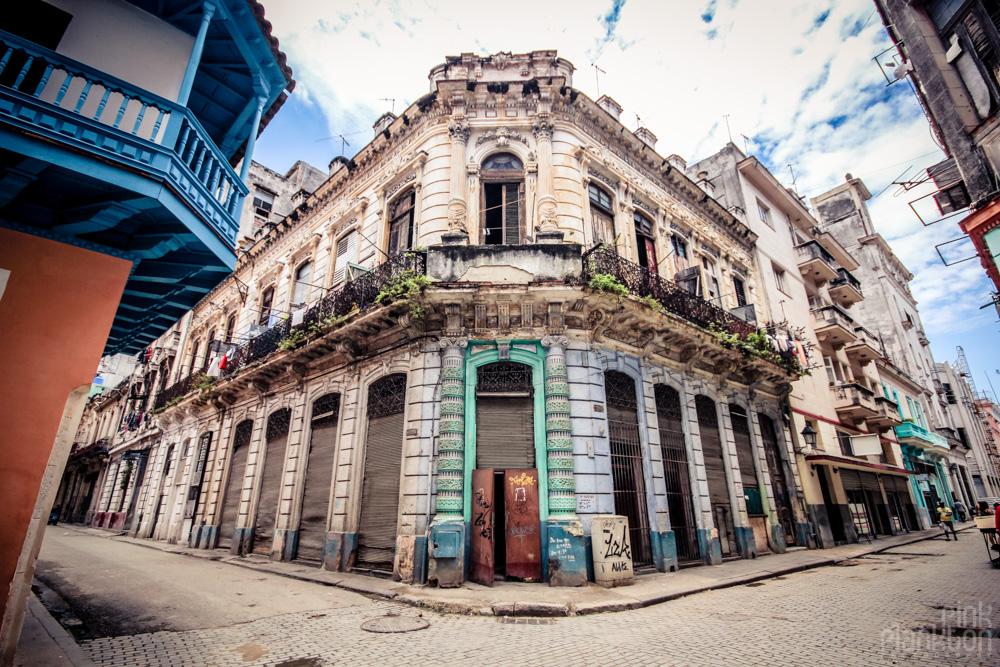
{"x": 13, "y": 180}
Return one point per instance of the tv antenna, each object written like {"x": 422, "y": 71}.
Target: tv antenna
{"x": 389, "y": 99}
{"x": 597, "y": 75}
{"x": 343, "y": 143}
{"x": 790, "y": 171}
{"x": 746, "y": 148}
{"x": 728, "y": 131}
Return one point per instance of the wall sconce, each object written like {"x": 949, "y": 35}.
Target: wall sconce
{"x": 809, "y": 435}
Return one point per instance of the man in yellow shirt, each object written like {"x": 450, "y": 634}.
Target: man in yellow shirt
{"x": 944, "y": 517}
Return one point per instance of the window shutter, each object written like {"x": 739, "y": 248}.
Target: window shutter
{"x": 345, "y": 253}
{"x": 511, "y": 213}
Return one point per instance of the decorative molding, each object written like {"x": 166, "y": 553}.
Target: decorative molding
{"x": 502, "y": 136}
{"x": 601, "y": 177}
{"x": 395, "y": 188}
{"x": 645, "y": 207}
{"x": 458, "y": 129}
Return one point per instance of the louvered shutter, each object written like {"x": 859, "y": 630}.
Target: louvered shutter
{"x": 345, "y": 253}
{"x": 512, "y": 213}
{"x": 319, "y": 477}
{"x": 380, "y": 493}
{"x": 505, "y": 437}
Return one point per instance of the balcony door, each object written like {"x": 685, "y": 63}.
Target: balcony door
{"x": 502, "y": 205}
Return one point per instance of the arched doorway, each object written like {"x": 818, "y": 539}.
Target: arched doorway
{"x": 676, "y": 472}
{"x": 626, "y": 463}
{"x": 380, "y": 485}
{"x": 506, "y": 533}
{"x": 319, "y": 477}
{"x": 715, "y": 472}
{"x": 270, "y": 483}
{"x": 234, "y": 485}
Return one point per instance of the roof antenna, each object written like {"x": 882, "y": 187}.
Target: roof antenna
{"x": 389, "y": 99}
{"x": 728, "y": 131}
{"x": 746, "y": 149}
{"x": 795, "y": 189}
{"x": 343, "y": 143}
{"x": 597, "y": 75}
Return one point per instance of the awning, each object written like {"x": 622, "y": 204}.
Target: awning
{"x": 852, "y": 464}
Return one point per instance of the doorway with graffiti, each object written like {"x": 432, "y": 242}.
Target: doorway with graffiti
{"x": 506, "y": 526}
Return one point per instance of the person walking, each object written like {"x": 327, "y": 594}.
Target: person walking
{"x": 960, "y": 511}
{"x": 945, "y": 521}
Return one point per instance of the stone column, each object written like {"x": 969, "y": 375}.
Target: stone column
{"x": 548, "y": 230}
{"x": 457, "y": 234}
{"x": 567, "y": 548}
{"x": 446, "y": 546}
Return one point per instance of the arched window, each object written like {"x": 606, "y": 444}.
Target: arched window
{"x": 266, "y": 299}
{"x": 601, "y": 215}
{"x": 194, "y": 357}
{"x": 401, "y": 223}
{"x": 644, "y": 242}
{"x": 303, "y": 276}
{"x": 230, "y": 329}
{"x": 502, "y": 176}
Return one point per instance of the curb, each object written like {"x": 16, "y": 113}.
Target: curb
{"x": 516, "y": 609}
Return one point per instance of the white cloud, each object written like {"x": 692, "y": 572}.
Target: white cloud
{"x": 804, "y": 91}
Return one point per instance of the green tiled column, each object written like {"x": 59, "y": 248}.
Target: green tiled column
{"x": 451, "y": 446}
{"x": 558, "y": 440}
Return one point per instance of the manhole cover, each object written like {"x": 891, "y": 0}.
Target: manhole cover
{"x": 394, "y": 624}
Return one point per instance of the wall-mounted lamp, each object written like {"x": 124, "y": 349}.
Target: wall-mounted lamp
{"x": 809, "y": 435}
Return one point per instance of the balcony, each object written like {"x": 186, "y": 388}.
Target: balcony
{"x": 816, "y": 262}
{"x": 845, "y": 289}
{"x": 833, "y": 325}
{"x": 865, "y": 348}
{"x": 922, "y": 338}
{"x": 854, "y": 400}
{"x": 675, "y": 300}
{"x": 887, "y": 415}
{"x": 911, "y": 433}
{"x": 92, "y": 160}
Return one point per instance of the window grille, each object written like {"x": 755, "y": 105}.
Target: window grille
{"x": 387, "y": 396}
{"x": 504, "y": 377}
{"x": 278, "y": 423}
{"x": 620, "y": 390}
{"x": 325, "y": 410}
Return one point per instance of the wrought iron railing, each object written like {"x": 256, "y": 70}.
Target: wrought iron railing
{"x": 845, "y": 277}
{"x": 813, "y": 250}
{"x": 854, "y": 394}
{"x": 641, "y": 282}
{"x": 177, "y": 390}
{"x": 831, "y": 315}
{"x": 355, "y": 295}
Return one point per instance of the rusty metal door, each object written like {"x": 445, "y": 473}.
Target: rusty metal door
{"x": 676, "y": 473}
{"x": 779, "y": 483}
{"x": 380, "y": 486}
{"x": 234, "y": 485}
{"x": 523, "y": 530}
{"x": 744, "y": 456}
{"x": 715, "y": 473}
{"x": 271, "y": 478}
{"x": 483, "y": 525}
{"x": 319, "y": 478}
{"x": 626, "y": 463}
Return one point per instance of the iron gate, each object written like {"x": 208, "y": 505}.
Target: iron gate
{"x": 626, "y": 463}
{"x": 676, "y": 472}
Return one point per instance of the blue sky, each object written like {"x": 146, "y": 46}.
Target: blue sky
{"x": 795, "y": 80}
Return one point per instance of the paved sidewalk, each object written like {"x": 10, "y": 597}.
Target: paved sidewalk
{"x": 45, "y": 643}
{"x": 520, "y": 599}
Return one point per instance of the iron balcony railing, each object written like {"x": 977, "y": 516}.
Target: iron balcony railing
{"x": 852, "y": 393}
{"x": 813, "y": 250}
{"x": 867, "y": 337}
{"x": 912, "y": 430}
{"x": 179, "y": 389}
{"x": 67, "y": 102}
{"x": 845, "y": 277}
{"x": 641, "y": 282}
{"x": 831, "y": 315}
{"x": 358, "y": 294}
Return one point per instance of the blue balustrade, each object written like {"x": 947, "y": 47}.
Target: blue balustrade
{"x": 45, "y": 93}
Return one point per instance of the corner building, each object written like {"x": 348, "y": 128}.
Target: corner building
{"x": 477, "y": 334}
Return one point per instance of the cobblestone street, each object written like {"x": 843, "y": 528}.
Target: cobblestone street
{"x": 867, "y": 611}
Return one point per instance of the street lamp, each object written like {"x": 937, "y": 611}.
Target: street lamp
{"x": 809, "y": 435}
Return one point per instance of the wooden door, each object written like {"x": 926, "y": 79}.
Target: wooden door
{"x": 523, "y": 530}
{"x": 715, "y": 473}
{"x": 483, "y": 525}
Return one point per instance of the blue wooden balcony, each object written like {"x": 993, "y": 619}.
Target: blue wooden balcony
{"x": 97, "y": 162}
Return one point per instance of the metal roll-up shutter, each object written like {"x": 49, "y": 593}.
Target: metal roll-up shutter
{"x": 505, "y": 433}
{"x": 850, "y": 479}
{"x": 270, "y": 484}
{"x": 380, "y": 494}
{"x": 744, "y": 450}
{"x": 234, "y": 486}
{"x": 380, "y": 485}
{"x": 319, "y": 477}
{"x": 715, "y": 472}
{"x": 870, "y": 482}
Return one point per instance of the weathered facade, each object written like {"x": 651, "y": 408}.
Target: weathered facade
{"x": 464, "y": 345}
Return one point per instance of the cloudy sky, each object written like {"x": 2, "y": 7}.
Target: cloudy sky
{"x": 797, "y": 81}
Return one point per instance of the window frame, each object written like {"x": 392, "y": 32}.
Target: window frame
{"x": 679, "y": 246}
{"x": 764, "y": 212}
{"x": 505, "y": 178}
{"x": 602, "y": 209}
{"x": 298, "y": 282}
{"x": 349, "y": 239}
{"x": 397, "y": 216}
{"x": 264, "y": 312}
